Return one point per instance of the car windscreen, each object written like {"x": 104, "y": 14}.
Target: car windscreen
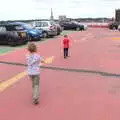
{"x": 14, "y": 28}
{"x": 27, "y": 26}
{"x": 38, "y": 24}
{"x": 74, "y": 22}
{"x": 52, "y": 23}
{"x": 44, "y": 24}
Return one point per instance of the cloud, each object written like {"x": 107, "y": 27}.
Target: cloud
{"x": 111, "y": 0}
{"x": 32, "y": 9}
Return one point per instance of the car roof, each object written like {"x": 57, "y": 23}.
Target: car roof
{"x": 12, "y": 23}
{"x": 43, "y": 21}
{"x": 16, "y": 23}
{"x": 1, "y": 25}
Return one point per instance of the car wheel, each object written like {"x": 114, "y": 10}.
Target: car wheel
{"x": 58, "y": 33}
{"x": 45, "y": 35}
{"x": 78, "y": 28}
{"x": 63, "y": 28}
{"x": 25, "y": 42}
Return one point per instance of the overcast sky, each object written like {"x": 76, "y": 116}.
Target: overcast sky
{"x": 37, "y": 9}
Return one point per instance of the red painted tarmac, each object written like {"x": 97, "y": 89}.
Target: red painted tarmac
{"x": 67, "y": 95}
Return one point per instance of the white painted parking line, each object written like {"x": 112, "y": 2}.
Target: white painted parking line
{"x": 80, "y": 40}
{"x": 84, "y": 39}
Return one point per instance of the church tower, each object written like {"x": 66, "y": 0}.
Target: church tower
{"x": 51, "y": 17}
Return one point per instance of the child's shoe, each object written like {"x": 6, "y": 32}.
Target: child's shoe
{"x": 36, "y": 101}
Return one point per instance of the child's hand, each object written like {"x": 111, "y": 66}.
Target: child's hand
{"x": 49, "y": 60}
{"x": 40, "y": 64}
{"x": 46, "y": 61}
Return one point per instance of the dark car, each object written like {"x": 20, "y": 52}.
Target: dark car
{"x": 113, "y": 26}
{"x": 12, "y": 35}
{"x": 34, "y": 34}
{"x": 71, "y": 26}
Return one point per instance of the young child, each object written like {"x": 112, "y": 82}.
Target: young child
{"x": 33, "y": 62}
{"x": 66, "y": 42}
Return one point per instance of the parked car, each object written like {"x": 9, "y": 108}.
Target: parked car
{"x": 48, "y": 28}
{"x": 119, "y": 27}
{"x": 113, "y": 26}
{"x": 59, "y": 28}
{"x": 34, "y": 34}
{"x": 85, "y": 26}
{"x": 72, "y": 25}
{"x": 12, "y": 35}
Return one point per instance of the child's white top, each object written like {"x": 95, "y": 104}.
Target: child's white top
{"x": 33, "y": 62}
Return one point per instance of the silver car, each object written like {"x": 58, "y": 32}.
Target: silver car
{"x": 48, "y": 28}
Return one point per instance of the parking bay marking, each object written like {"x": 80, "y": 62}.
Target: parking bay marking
{"x": 81, "y": 40}
{"x": 13, "y": 80}
{"x": 116, "y": 38}
{"x": 19, "y": 76}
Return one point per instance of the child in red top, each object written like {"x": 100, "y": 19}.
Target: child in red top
{"x": 66, "y": 42}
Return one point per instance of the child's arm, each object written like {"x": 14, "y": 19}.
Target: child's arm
{"x": 42, "y": 60}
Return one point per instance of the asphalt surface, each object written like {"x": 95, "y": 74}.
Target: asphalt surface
{"x": 84, "y": 86}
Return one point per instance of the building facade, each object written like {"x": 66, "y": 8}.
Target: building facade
{"x": 117, "y": 15}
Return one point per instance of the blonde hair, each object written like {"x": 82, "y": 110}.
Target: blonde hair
{"x": 32, "y": 47}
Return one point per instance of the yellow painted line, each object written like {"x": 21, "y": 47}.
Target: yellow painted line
{"x": 12, "y": 81}
{"x": 16, "y": 78}
{"x": 117, "y": 38}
